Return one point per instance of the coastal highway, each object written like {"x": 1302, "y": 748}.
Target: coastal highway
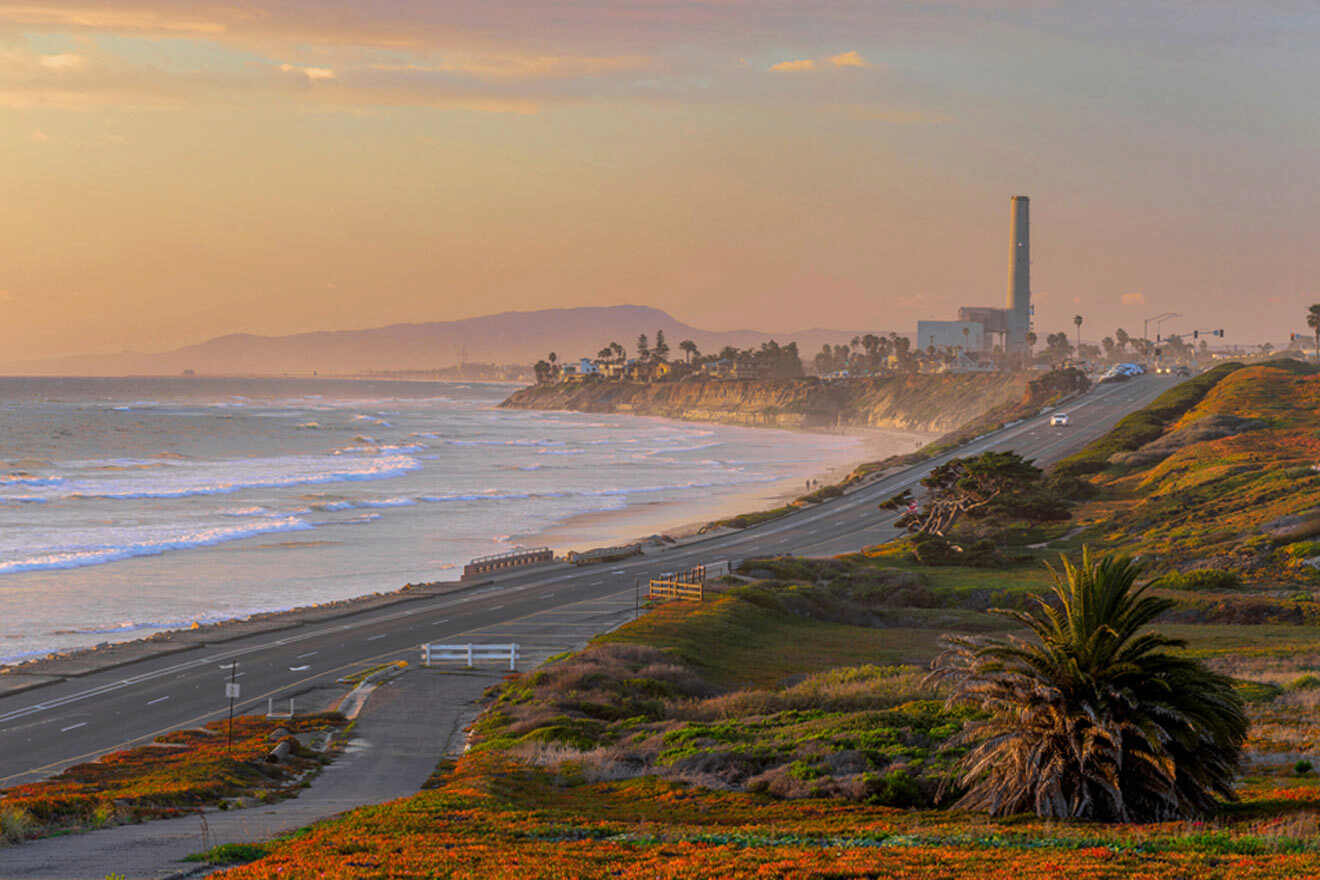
{"x": 47, "y": 728}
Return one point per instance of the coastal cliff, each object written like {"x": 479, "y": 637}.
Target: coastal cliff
{"x": 911, "y": 402}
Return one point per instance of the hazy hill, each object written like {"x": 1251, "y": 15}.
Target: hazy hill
{"x": 508, "y": 337}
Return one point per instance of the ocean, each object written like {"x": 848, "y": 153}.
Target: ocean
{"x": 129, "y": 506}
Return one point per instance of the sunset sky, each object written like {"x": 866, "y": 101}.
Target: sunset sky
{"x": 172, "y": 171}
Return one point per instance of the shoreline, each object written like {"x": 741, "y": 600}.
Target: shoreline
{"x": 600, "y": 528}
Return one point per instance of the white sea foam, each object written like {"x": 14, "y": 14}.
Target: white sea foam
{"x": 94, "y": 547}
{"x": 225, "y": 477}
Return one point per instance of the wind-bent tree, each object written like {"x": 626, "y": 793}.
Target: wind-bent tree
{"x": 689, "y": 349}
{"x": 963, "y": 486}
{"x": 1313, "y": 321}
{"x": 1092, "y": 717}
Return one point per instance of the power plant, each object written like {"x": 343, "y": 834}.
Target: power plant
{"x": 978, "y": 326}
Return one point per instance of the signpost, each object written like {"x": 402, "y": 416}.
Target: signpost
{"x": 231, "y": 691}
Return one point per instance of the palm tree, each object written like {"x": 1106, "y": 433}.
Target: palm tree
{"x": 1313, "y": 321}
{"x": 689, "y": 349}
{"x": 1093, "y": 718}
{"x": 1031, "y": 341}
{"x": 1077, "y": 319}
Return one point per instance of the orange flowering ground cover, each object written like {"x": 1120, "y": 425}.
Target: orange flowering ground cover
{"x": 180, "y": 770}
{"x": 491, "y": 819}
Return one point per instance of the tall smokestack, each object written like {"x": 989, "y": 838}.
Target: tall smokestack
{"x": 1019, "y": 277}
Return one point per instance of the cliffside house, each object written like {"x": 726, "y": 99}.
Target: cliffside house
{"x": 580, "y": 370}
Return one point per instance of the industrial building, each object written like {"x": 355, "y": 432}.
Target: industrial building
{"x": 979, "y": 327}
{"x": 961, "y": 336}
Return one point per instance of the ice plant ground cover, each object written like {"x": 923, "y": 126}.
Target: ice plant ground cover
{"x": 179, "y": 771}
{"x": 558, "y": 786}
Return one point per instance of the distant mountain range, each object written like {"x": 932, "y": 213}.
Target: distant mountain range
{"x": 506, "y": 338}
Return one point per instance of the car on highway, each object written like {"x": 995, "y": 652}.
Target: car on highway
{"x": 1183, "y": 370}
{"x": 1059, "y": 420}
{"x": 1122, "y": 372}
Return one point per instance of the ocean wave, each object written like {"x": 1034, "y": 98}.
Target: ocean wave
{"x": 375, "y": 447}
{"x": 28, "y": 480}
{"x": 82, "y": 555}
{"x": 226, "y": 477}
{"x": 506, "y": 442}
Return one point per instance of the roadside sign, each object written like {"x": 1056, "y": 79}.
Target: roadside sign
{"x": 231, "y": 690}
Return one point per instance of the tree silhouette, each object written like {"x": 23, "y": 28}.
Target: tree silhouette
{"x": 661, "y": 350}
{"x": 1313, "y": 321}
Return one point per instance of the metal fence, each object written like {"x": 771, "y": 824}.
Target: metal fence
{"x": 470, "y": 653}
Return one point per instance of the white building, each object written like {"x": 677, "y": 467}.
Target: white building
{"x": 966, "y": 336}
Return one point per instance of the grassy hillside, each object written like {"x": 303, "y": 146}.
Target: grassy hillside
{"x": 1219, "y": 473}
{"x": 786, "y": 729}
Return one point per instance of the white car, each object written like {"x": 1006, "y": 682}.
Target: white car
{"x": 1059, "y": 420}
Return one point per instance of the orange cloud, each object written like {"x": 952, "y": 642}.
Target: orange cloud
{"x": 1133, "y": 299}
{"x": 849, "y": 59}
{"x": 794, "y": 66}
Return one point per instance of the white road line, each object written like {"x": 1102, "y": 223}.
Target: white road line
{"x": 73, "y": 727}
{"x": 496, "y": 607}
{"x": 442, "y": 620}
{"x": 157, "y": 700}
{"x": 308, "y": 654}
{"x": 373, "y": 638}
{"x": 299, "y": 668}
{"x": 546, "y": 595}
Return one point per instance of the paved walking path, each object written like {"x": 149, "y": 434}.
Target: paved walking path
{"x": 406, "y": 727}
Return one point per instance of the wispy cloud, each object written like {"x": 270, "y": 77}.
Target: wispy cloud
{"x": 103, "y": 17}
{"x": 523, "y": 66}
{"x": 800, "y": 66}
{"x": 312, "y": 73}
{"x": 65, "y": 61}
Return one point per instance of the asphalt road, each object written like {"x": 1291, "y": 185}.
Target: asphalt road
{"x": 50, "y": 727}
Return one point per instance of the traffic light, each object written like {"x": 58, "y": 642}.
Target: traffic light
{"x": 1196, "y": 334}
{"x": 1292, "y": 337}
{"x": 1157, "y": 338}
{"x": 1219, "y": 333}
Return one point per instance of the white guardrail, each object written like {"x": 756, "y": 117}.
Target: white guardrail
{"x": 470, "y": 653}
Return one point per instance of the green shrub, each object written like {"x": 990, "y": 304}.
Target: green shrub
{"x": 1305, "y": 683}
{"x": 16, "y": 824}
{"x": 1301, "y": 768}
{"x": 230, "y": 854}
{"x": 1200, "y": 579}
